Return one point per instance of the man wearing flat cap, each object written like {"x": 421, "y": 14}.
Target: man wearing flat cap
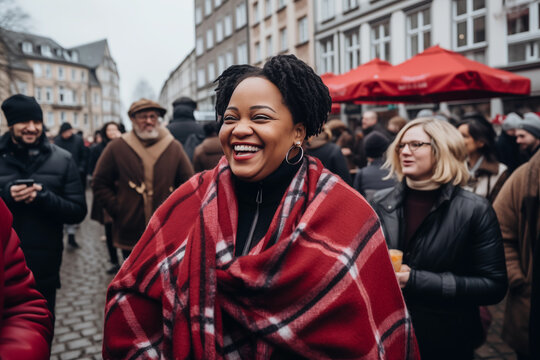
{"x": 137, "y": 172}
{"x": 40, "y": 184}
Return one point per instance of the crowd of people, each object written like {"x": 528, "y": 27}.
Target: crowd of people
{"x": 266, "y": 234}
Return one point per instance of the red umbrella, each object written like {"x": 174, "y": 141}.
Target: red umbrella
{"x": 441, "y": 75}
{"x": 350, "y": 86}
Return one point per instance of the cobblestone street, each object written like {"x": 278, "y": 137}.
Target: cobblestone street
{"x": 81, "y": 300}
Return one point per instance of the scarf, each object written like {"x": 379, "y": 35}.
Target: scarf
{"x": 325, "y": 289}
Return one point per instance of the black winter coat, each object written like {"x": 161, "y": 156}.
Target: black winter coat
{"x": 40, "y": 223}
{"x": 457, "y": 262}
{"x": 183, "y": 124}
{"x": 75, "y": 146}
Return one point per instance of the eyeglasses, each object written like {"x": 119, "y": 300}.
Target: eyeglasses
{"x": 143, "y": 117}
{"x": 413, "y": 146}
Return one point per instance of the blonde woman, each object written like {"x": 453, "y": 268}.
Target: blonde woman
{"x": 450, "y": 238}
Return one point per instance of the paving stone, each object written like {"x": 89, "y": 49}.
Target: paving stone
{"x": 90, "y": 331}
{"x": 68, "y": 337}
{"x": 57, "y": 348}
{"x": 78, "y": 344}
{"x": 69, "y": 355}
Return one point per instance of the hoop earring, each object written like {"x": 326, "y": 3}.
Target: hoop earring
{"x": 296, "y": 145}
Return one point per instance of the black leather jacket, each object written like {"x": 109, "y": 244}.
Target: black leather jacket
{"x": 457, "y": 262}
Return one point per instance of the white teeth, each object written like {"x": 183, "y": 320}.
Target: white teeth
{"x": 249, "y": 148}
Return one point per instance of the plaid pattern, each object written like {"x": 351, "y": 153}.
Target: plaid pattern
{"x": 319, "y": 285}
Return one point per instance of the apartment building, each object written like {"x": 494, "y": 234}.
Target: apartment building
{"x": 221, "y": 40}
{"x": 500, "y": 33}
{"x": 281, "y": 27}
{"x": 67, "y": 89}
{"x": 182, "y": 81}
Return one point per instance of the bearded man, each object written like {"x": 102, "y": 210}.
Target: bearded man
{"x": 137, "y": 172}
{"x": 40, "y": 184}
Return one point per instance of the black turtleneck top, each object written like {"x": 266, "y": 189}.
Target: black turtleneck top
{"x": 269, "y": 192}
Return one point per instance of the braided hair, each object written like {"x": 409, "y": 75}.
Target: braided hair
{"x": 303, "y": 91}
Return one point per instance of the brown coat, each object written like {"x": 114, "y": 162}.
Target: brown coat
{"x": 118, "y": 182}
{"x": 514, "y": 206}
{"x": 207, "y": 154}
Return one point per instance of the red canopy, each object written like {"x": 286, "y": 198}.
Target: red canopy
{"x": 351, "y": 86}
{"x": 441, "y": 75}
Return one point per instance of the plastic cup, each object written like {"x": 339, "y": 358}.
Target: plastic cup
{"x": 396, "y": 256}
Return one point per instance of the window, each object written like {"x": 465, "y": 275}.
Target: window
{"x": 349, "y": 4}
{"x": 283, "y": 41}
{"x": 380, "y": 41}
{"x": 217, "y": 3}
{"x": 74, "y": 56}
{"x": 211, "y": 72}
{"x": 352, "y": 49}
{"x": 83, "y": 75}
{"x": 242, "y": 54}
{"x": 75, "y": 119}
{"x": 48, "y": 71}
{"x": 258, "y": 55}
{"x": 61, "y": 73}
{"x": 61, "y": 95}
{"x": 96, "y": 98}
{"x": 523, "y": 33}
{"x": 201, "y": 80}
{"x": 269, "y": 46}
{"x": 37, "y": 70}
{"x": 241, "y": 19}
{"x": 62, "y": 116}
{"x": 418, "y": 31}
{"x": 73, "y": 97}
{"x": 83, "y": 97}
{"x": 209, "y": 38}
{"x": 256, "y": 13}
{"x": 229, "y": 60}
{"x": 207, "y": 7}
{"x": 268, "y": 8}
{"x": 23, "y": 87}
{"x": 228, "y": 25}
{"x": 198, "y": 15}
{"x": 26, "y": 47}
{"x": 46, "y": 50}
{"x": 37, "y": 94}
{"x": 219, "y": 31}
{"x": 50, "y": 119}
{"x": 96, "y": 121}
{"x": 327, "y": 9}
{"x": 303, "y": 30}
{"x": 469, "y": 23}
{"x": 327, "y": 55}
{"x": 73, "y": 74}
{"x": 281, "y": 4}
{"x": 48, "y": 95}
{"x": 85, "y": 120}
{"x": 200, "y": 46}
{"x": 221, "y": 64}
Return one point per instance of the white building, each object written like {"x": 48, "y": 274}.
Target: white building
{"x": 500, "y": 33}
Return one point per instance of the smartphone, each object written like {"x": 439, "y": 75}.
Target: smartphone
{"x": 27, "y": 182}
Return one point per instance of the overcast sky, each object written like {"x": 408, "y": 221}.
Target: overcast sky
{"x": 147, "y": 38}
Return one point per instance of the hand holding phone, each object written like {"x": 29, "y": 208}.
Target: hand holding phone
{"x": 23, "y": 190}
{"x": 27, "y": 182}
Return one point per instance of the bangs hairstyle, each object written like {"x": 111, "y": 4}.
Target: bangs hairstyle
{"x": 447, "y": 146}
{"x": 303, "y": 91}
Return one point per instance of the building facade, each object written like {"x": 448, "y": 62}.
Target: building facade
{"x": 182, "y": 81}
{"x": 221, "y": 40}
{"x": 281, "y": 27}
{"x": 500, "y": 33}
{"x": 66, "y": 88}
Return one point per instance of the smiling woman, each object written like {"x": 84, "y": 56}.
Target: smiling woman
{"x": 268, "y": 255}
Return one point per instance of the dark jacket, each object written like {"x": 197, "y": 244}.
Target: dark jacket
{"x": 331, "y": 157}
{"x": 26, "y": 327}
{"x": 94, "y": 153}
{"x": 457, "y": 262}
{"x": 183, "y": 124}
{"x": 40, "y": 223}
{"x": 368, "y": 180}
{"x": 75, "y": 146}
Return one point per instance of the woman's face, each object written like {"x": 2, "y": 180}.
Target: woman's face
{"x": 417, "y": 164}
{"x": 257, "y": 130}
{"x": 472, "y": 145}
{"x": 112, "y": 132}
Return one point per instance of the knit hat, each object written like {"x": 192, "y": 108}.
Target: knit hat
{"x": 184, "y": 100}
{"x": 512, "y": 121}
{"x": 145, "y": 104}
{"x": 531, "y": 124}
{"x": 64, "y": 127}
{"x": 21, "y": 108}
{"x": 425, "y": 113}
{"x": 375, "y": 144}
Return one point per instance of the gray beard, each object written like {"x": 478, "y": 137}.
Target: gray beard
{"x": 146, "y": 135}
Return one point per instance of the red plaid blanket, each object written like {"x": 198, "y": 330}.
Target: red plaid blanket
{"x": 325, "y": 289}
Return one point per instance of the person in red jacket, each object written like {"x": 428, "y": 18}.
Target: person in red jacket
{"x": 26, "y": 327}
